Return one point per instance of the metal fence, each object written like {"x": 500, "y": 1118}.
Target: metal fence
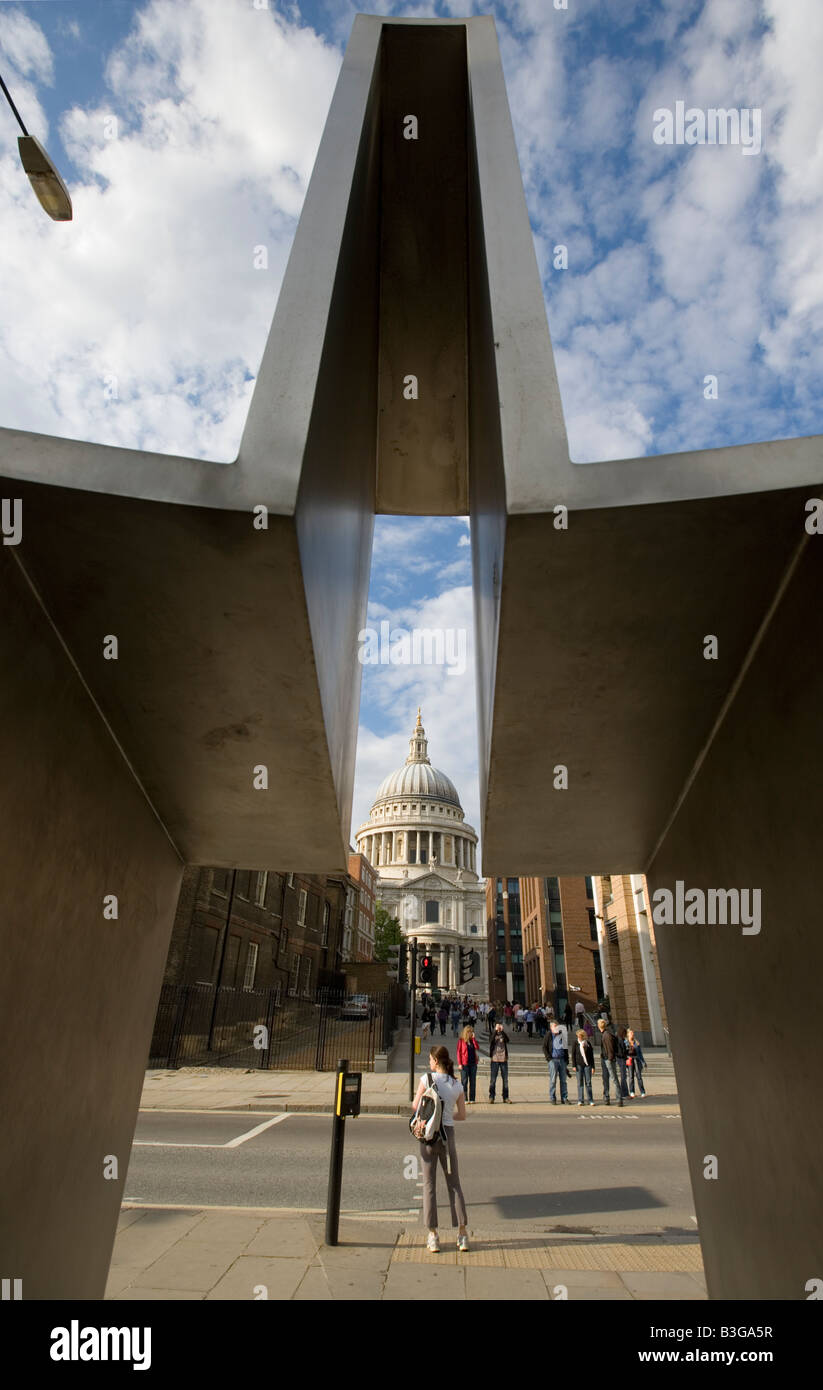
{"x": 199, "y": 1025}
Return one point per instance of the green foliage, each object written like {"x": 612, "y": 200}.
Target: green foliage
{"x": 386, "y": 932}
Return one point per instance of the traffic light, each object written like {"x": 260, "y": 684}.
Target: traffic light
{"x": 469, "y": 963}
{"x": 426, "y": 970}
{"x": 393, "y": 962}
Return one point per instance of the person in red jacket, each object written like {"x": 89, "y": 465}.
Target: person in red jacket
{"x": 468, "y": 1052}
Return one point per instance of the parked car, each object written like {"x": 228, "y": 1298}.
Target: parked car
{"x": 358, "y": 1006}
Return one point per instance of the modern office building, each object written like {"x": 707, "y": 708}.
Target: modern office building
{"x": 565, "y": 940}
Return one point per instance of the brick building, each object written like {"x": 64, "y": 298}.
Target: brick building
{"x": 629, "y": 954}
{"x": 285, "y": 931}
{"x": 359, "y": 945}
{"x": 560, "y": 942}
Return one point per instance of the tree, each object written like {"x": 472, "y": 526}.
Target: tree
{"x": 386, "y": 932}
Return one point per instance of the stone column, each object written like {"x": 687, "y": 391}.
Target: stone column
{"x": 431, "y": 845}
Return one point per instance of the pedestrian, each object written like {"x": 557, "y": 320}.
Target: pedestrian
{"x": 499, "y": 1058}
{"x": 635, "y": 1062}
{"x": 587, "y": 1029}
{"x": 556, "y": 1053}
{"x": 454, "y": 1108}
{"x": 491, "y": 1018}
{"x": 425, "y": 1019}
{"x": 621, "y": 1061}
{"x": 518, "y": 1018}
{"x": 468, "y": 1054}
{"x": 529, "y": 1022}
{"x": 582, "y": 1059}
{"x": 567, "y": 1015}
{"x": 578, "y": 1013}
{"x": 608, "y": 1062}
{"x": 455, "y": 1013}
{"x": 442, "y": 1019}
{"x": 507, "y": 1012}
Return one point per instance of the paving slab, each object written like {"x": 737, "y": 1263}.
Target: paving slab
{"x": 138, "y": 1294}
{"x": 195, "y": 1267}
{"x": 645, "y": 1284}
{"x": 278, "y": 1237}
{"x": 249, "y": 1276}
{"x": 413, "y": 1283}
{"x": 514, "y": 1285}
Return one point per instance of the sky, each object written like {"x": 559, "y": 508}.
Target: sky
{"x": 187, "y": 134}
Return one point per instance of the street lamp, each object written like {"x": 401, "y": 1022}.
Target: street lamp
{"x": 51, "y": 191}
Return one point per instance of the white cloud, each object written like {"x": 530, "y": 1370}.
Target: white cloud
{"x": 391, "y": 695}
{"x": 153, "y": 283}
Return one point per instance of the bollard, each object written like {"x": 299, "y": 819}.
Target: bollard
{"x": 336, "y": 1159}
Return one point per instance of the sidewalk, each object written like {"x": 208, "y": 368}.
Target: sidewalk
{"x": 191, "y": 1253}
{"x": 386, "y": 1093}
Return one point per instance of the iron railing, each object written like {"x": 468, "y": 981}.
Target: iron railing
{"x": 261, "y": 1029}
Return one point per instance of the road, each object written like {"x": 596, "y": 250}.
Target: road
{"x": 576, "y": 1169}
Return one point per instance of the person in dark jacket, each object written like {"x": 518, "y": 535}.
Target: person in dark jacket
{"x": 635, "y": 1062}
{"x": 608, "y": 1062}
{"x": 583, "y": 1062}
{"x": 621, "y": 1062}
{"x": 556, "y": 1053}
{"x": 499, "y": 1057}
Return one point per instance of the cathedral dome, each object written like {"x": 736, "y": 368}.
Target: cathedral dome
{"x": 417, "y": 777}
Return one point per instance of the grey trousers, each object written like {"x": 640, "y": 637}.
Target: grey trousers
{"x": 430, "y": 1156}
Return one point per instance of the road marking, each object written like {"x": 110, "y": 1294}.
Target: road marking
{"x": 162, "y": 1144}
{"x": 258, "y": 1129}
{"x": 232, "y": 1143}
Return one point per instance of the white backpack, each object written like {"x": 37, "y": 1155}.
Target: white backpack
{"x": 426, "y": 1124}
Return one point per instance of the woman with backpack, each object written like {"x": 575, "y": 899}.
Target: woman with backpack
{"x": 441, "y": 1079}
{"x": 468, "y": 1052}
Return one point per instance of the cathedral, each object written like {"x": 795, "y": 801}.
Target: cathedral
{"x": 425, "y": 855}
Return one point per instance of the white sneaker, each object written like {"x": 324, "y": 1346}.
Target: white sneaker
{"x": 433, "y": 1244}
{"x": 462, "y": 1243}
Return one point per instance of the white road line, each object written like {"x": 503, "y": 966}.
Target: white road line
{"x": 232, "y": 1143}
{"x": 162, "y": 1144}
{"x": 258, "y": 1129}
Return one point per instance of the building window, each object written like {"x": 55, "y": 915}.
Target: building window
{"x": 294, "y": 977}
{"x": 474, "y": 931}
{"x": 220, "y": 882}
{"x": 242, "y": 884}
{"x": 589, "y": 893}
{"x": 592, "y": 925}
{"x": 290, "y": 880}
{"x": 260, "y": 887}
{"x": 307, "y": 975}
{"x": 432, "y": 914}
{"x": 326, "y": 911}
{"x": 501, "y": 956}
{"x": 301, "y": 908}
{"x": 251, "y": 965}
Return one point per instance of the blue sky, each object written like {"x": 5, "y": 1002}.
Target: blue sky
{"x": 682, "y": 261}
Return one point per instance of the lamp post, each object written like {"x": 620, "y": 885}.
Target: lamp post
{"x": 51, "y": 191}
